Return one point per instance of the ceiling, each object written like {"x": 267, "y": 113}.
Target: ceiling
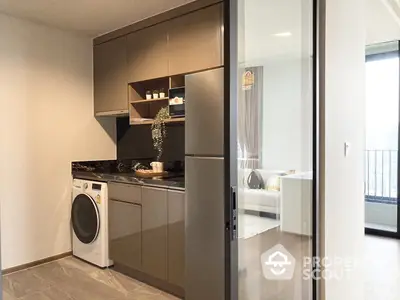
{"x": 263, "y": 19}
{"x": 87, "y": 17}
{"x": 294, "y": 16}
{"x": 96, "y": 17}
{"x": 383, "y": 21}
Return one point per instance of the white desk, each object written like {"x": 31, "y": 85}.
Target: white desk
{"x": 296, "y": 203}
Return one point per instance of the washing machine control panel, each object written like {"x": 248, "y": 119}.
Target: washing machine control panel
{"x": 96, "y": 190}
{"x": 96, "y": 186}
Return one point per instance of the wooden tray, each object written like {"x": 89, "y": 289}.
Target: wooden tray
{"x": 150, "y": 173}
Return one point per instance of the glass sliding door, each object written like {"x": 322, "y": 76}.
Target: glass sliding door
{"x": 382, "y": 138}
{"x": 272, "y": 147}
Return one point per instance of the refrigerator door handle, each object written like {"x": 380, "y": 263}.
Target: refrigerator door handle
{"x": 234, "y": 214}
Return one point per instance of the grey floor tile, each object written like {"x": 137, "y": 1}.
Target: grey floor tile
{"x": 49, "y": 294}
{"x": 148, "y": 290}
{"x": 56, "y": 273}
{"x": 77, "y": 264}
{"x": 55, "y": 293}
{"x": 73, "y": 279}
{"x": 169, "y": 297}
{"x": 22, "y": 283}
{"x": 52, "y": 293}
{"x": 7, "y": 296}
{"x": 35, "y": 296}
{"x": 117, "y": 281}
{"x": 145, "y": 292}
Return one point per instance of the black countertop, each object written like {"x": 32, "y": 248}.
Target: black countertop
{"x": 172, "y": 182}
{"x": 123, "y": 171}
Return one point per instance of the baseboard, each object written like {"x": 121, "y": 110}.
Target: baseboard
{"x": 36, "y": 263}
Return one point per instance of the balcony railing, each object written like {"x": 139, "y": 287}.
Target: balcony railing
{"x": 380, "y": 184}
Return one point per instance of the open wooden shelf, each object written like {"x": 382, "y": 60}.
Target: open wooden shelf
{"x": 141, "y": 108}
{"x": 149, "y": 100}
{"x": 149, "y": 122}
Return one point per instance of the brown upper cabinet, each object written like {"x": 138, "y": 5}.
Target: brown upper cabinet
{"x": 185, "y": 44}
{"x": 195, "y": 41}
{"x": 148, "y": 53}
{"x": 110, "y": 78}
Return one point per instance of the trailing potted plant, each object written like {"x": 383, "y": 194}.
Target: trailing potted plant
{"x": 159, "y": 131}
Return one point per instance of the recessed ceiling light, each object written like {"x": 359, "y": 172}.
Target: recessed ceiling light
{"x": 283, "y": 34}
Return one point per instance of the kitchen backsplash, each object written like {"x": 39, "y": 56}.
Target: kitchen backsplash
{"x": 135, "y": 145}
{"x": 136, "y": 141}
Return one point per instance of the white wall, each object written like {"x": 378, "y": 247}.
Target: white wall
{"x": 343, "y": 120}
{"x": 46, "y": 121}
{"x": 380, "y": 214}
{"x": 287, "y": 72}
{"x": 287, "y": 114}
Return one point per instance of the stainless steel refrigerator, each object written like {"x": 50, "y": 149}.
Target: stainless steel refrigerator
{"x": 204, "y": 176}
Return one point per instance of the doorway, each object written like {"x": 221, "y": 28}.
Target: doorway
{"x": 382, "y": 139}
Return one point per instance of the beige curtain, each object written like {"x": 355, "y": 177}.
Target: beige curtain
{"x": 250, "y": 116}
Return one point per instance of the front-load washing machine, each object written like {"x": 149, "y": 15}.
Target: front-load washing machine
{"x": 89, "y": 219}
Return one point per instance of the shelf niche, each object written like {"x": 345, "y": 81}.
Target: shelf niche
{"x": 143, "y": 111}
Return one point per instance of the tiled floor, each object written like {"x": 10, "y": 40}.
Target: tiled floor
{"x": 252, "y": 283}
{"x": 382, "y": 268}
{"x": 250, "y": 225}
{"x": 72, "y": 279}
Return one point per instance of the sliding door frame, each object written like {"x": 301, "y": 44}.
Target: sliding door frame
{"x": 230, "y": 147}
{"x": 231, "y": 44}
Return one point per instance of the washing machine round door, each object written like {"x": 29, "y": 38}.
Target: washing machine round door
{"x": 85, "y": 218}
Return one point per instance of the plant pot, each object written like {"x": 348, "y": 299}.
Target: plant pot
{"x": 157, "y": 166}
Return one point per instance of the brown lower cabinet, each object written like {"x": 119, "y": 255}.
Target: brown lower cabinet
{"x": 176, "y": 237}
{"x": 154, "y": 232}
{"x": 147, "y": 234}
{"x": 125, "y": 233}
